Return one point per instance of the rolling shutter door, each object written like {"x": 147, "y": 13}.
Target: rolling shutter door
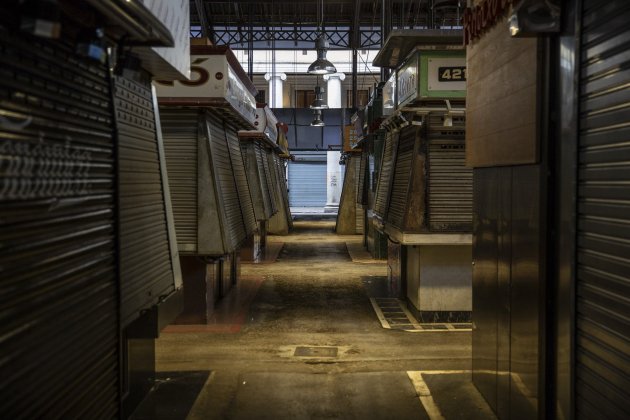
{"x": 281, "y": 186}
{"x": 450, "y": 181}
{"x": 145, "y": 261}
{"x": 399, "y": 200}
{"x": 58, "y": 289}
{"x": 268, "y": 182}
{"x": 242, "y": 185}
{"x": 254, "y": 173}
{"x": 307, "y": 184}
{"x": 384, "y": 180}
{"x": 603, "y": 217}
{"x": 180, "y": 132}
{"x": 234, "y": 226}
{"x": 362, "y": 175}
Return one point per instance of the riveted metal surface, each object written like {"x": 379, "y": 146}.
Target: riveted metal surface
{"x": 58, "y": 288}
{"x": 383, "y": 187}
{"x": 145, "y": 264}
{"x": 603, "y": 254}
{"x": 449, "y": 187}
{"x": 180, "y": 133}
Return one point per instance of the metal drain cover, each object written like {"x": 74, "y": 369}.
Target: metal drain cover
{"x": 315, "y": 351}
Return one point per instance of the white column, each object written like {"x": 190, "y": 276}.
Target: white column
{"x": 334, "y": 89}
{"x": 333, "y": 182}
{"x": 275, "y": 88}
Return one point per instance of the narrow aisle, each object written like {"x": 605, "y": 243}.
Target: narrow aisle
{"x": 311, "y": 345}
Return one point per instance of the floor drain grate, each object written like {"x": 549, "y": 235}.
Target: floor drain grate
{"x": 302, "y": 351}
{"x": 393, "y": 315}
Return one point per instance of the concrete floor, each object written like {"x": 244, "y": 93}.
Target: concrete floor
{"x": 314, "y": 295}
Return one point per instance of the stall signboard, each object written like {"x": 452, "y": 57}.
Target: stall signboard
{"x": 428, "y": 75}
{"x": 214, "y": 82}
{"x": 271, "y": 123}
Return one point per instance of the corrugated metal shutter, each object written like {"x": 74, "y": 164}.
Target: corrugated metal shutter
{"x": 603, "y": 253}
{"x": 449, "y": 189}
{"x": 58, "y": 288}
{"x": 383, "y": 186}
{"x": 399, "y": 197}
{"x": 307, "y": 184}
{"x": 233, "y": 223}
{"x": 145, "y": 263}
{"x": 180, "y": 131}
{"x": 276, "y": 185}
{"x": 362, "y": 176}
{"x": 254, "y": 173}
{"x": 242, "y": 185}
{"x": 281, "y": 185}
{"x": 271, "y": 202}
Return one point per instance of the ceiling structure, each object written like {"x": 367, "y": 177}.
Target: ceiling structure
{"x": 349, "y": 24}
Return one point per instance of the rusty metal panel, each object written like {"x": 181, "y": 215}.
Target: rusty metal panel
{"x": 146, "y": 268}
{"x": 59, "y": 288}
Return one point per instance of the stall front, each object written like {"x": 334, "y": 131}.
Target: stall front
{"x": 258, "y": 147}
{"x": 424, "y": 194}
{"x": 212, "y": 203}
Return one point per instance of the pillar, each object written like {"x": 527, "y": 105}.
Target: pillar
{"x": 333, "y": 181}
{"x": 334, "y": 89}
{"x": 275, "y": 89}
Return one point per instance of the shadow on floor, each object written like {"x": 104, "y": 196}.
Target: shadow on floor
{"x": 172, "y": 396}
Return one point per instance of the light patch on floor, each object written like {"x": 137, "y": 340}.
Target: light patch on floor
{"x": 393, "y": 315}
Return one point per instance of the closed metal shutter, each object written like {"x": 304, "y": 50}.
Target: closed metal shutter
{"x": 233, "y": 222}
{"x": 281, "y": 183}
{"x": 271, "y": 202}
{"x": 307, "y": 184}
{"x": 242, "y": 185}
{"x": 383, "y": 186}
{"x": 254, "y": 174}
{"x": 602, "y": 339}
{"x": 399, "y": 198}
{"x": 449, "y": 189}
{"x": 145, "y": 262}
{"x": 58, "y": 288}
{"x": 362, "y": 175}
{"x": 180, "y": 129}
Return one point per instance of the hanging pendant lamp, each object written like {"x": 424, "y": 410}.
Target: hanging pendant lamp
{"x": 321, "y": 65}
{"x": 319, "y": 102}
{"x": 317, "y": 120}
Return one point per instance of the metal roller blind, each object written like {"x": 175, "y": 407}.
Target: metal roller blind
{"x": 449, "y": 188}
{"x": 233, "y": 223}
{"x": 383, "y": 186}
{"x": 307, "y": 184}
{"x": 603, "y": 215}
{"x": 254, "y": 173}
{"x": 58, "y": 288}
{"x": 402, "y": 173}
{"x": 240, "y": 176}
{"x": 180, "y": 136}
{"x": 362, "y": 175}
{"x": 145, "y": 263}
{"x": 277, "y": 180}
{"x": 268, "y": 182}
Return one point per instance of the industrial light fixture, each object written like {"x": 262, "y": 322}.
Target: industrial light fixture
{"x": 321, "y": 65}
{"x": 317, "y": 120}
{"x": 319, "y": 102}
